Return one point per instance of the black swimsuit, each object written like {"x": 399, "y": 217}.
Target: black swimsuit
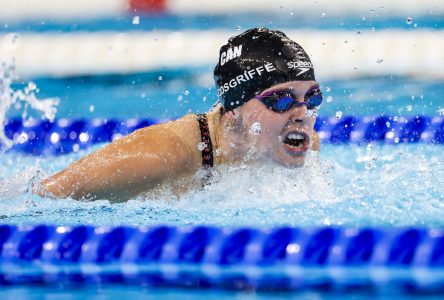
{"x": 207, "y": 152}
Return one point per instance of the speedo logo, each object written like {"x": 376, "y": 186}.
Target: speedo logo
{"x": 230, "y": 54}
{"x": 302, "y": 66}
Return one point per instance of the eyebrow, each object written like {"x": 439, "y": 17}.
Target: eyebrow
{"x": 291, "y": 92}
{"x": 314, "y": 87}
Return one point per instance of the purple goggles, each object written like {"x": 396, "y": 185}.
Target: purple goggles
{"x": 281, "y": 101}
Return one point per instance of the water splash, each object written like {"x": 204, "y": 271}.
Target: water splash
{"x": 10, "y": 97}
{"x": 403, "y": 188}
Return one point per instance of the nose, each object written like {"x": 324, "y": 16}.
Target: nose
{"x": 298, "y": 115}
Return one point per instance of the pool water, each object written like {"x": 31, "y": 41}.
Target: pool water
{"x": 352, "y": 185}
{"x": 170, "y": 94}
{"x": 348, "y": 185}
{"x": 116, "y": 292}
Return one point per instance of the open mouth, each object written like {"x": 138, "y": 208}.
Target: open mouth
{"x": 296, "y": 142}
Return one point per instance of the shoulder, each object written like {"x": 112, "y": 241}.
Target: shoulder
{"x": 176, "y": 139}
{"x": 185, "y": 129}
{"x": 181, "y": 125}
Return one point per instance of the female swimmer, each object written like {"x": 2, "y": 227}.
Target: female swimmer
{"x": 269, "y": 96}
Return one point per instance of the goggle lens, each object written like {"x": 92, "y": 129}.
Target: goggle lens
{"x": 281, "y": 101}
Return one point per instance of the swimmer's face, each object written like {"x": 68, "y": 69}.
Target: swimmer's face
{"x": 282, "y": 137}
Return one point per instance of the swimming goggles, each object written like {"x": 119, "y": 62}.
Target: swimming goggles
{"x": 281, "y": 101}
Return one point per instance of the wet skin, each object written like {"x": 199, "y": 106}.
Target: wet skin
{"x": 275, "y": 127}
{"x": 165, "y": 153}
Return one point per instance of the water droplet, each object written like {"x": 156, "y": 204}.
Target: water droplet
{"x": 387, "y": 124}
{"x": 54, "y": 138}
{"x": 408, "y": 20}
{"x": 14, "y": 38}
{"x": 395, "y": 118}
{"x": 291, "y": 13}
{"x": 380, "y": 60}
{"x": 186, "y": 92}
{"x": 83, "y": 137}
{"x": 440, "y": 111}
{"x": 201, "y": 146}
{"x": 160, "y": 77}
{"x": 280, "y": 139}
{"x": 329, "y": 99}
{"x": 238, "y": 28}
{"x": 328, "y": 88}
{"x": 408, "y": 108}
{"x": 136, "y": 20}
{"x": 204, "y": 98}
{"x": 372, "y": 29}
{"x": 323, "y": 15}
{"x": 91, "y": 108}
{"x": 31, "y": 87}
{"x": 338, "y": 114}
{"x": 255, "y": 129}
{"x": 21, "y": 138}
{"x": 326, "y": 222}
{"x": 311, "y": 113}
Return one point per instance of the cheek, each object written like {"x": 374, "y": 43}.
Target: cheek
{"x": 270, "y": 137}
{"x": 311, "y": 123}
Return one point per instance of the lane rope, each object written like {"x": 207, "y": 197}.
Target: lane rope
{"x": 281, "y": 258}
{"x": 64, "y": 136}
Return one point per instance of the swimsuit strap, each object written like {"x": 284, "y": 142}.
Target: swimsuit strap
{"x": 207, "y": 152}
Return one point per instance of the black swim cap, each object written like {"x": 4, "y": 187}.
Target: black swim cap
{"x": 255, "y": 60}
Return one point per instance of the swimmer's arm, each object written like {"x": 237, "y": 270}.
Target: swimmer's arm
{"x": 126, "y": 167}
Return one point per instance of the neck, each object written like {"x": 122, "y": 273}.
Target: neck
{"x": 227, "y": 145}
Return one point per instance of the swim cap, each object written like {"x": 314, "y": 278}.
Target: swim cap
{"x": 255, "y": 60}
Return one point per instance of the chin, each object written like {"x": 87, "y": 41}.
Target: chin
{"x": 291, "y": 162}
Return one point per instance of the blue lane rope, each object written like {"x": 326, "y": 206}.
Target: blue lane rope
{"x": 281, "y": 258}
{"x": 64, "y": 136}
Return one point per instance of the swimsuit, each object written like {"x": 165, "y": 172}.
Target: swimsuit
{"x": 207, "y": 152}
